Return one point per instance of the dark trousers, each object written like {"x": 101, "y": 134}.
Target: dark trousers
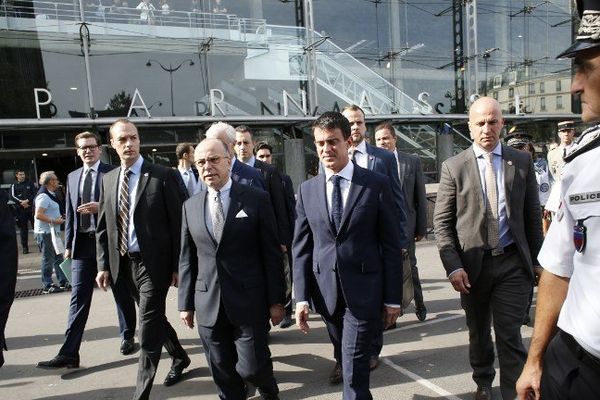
{"x": 415, "y": 276}
{"x": 83, "y": 274}
{"x": 24, "y": 217}
{"x": 352, "y": 340}
{"x": 236, "y": 354}
{"x": 154, "y": 329}
{"x": 568, "y": 372}
{"x": 288, "y": 299}
{"x": 500, "y": 294}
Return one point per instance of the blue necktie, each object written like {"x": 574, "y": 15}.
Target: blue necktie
{"x": 337, "y": 207}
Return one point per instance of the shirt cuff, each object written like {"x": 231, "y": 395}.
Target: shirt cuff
{"x": 392, "y": 305}
{"x": 301, "y": 303}
{"x": 455, "y": 271}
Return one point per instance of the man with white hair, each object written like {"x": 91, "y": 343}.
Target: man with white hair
{"x": 240, "y": 172}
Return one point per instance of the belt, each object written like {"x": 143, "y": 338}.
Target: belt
{"x": 91, "y": 235}
{"x": 579, "y": 352}
{"x": 498, "y": 251}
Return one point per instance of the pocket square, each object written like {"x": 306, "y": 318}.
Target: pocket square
{"x": 241, "y": 214}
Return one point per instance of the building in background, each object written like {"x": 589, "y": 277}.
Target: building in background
{"x": 67, "y": 66}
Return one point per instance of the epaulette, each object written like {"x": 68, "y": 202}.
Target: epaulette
{"x": 589, "y": 139}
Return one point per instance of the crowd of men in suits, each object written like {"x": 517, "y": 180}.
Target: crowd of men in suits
{"x": 221, "y": 224}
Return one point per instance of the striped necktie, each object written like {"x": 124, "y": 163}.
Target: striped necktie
{"x": 491, "y": 209}
{"x": 123, "y": 217}
{"x": 218, "y": 217}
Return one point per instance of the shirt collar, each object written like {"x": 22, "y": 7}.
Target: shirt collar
{"x": 345, "y": 172}
{"x": 480, "y": 152}
{"x": 136, "y": 168}
{"x": 362, "y": 147}
{"x": 226, "y": 188}
{"x": 251, "y": 161}
{"x": 93, "y": 167}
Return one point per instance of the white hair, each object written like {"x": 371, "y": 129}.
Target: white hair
{"x": 218, "y": 128}
{"x": 46, "y": 177}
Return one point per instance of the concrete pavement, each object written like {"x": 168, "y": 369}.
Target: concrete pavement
{"x": 420, "y": 361}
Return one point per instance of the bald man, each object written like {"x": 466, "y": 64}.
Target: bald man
{"x": 488, "y": 232}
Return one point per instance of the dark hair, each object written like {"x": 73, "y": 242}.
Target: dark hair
{"x": 88, "y": 135}
{"x": 331, "y": 120}
{"x": 183, "y": 148}
{"x": 19, "y": 170}
{"x": 262, "y": 145}
{"x": 243, "y": 128}
{"x": 386, "y": 125}
{"x": 353, "y": 107}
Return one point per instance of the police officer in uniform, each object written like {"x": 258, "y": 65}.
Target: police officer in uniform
{"x": 566, "y": 365}
{"x": 22, "y": 193}
{"x": 566, "y": 133}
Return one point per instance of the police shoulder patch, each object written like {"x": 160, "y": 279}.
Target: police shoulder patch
{"x": 588, "y": 140}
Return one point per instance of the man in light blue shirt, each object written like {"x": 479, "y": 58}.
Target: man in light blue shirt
{"x": 47, "y": 218}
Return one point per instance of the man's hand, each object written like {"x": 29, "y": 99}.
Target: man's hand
{"x": 390, "y": 315}
{"x": 277, "y": 312}
{"x": 188, "y": 318}
{"x": 302, "y": 318}
{"x": 418, "y": 238}
{"x": 103, "y": 280}
{"x": 283, "y": 248}
{"x": 57, "y": 221}
{"x": 88, "y": 208}
{"x": 68, "y": 253}
{"x": 175, "y": 279}
{"x": 528, "y": 384}
{"x": 24, "y": 203}
{"x": 460, "y": 281}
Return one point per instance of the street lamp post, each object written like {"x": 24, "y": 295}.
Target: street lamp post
{"x": 170, "y": 70}
{"x": 486, "y": 56}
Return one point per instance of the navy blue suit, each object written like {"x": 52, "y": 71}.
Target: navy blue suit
{"x": 83, "y": 267}
{"x": 247, "y": 175}
{"x": 349, "y": 276}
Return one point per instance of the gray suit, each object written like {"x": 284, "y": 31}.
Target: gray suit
{"x": 500, "y": 284}
{"x": 413, "y": 187}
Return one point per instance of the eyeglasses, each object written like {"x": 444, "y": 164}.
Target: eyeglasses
{"x": 91, "y": 147}
{"x": 211, "y": 160}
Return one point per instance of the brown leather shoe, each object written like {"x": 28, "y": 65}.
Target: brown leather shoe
{"x": 373, "y": 362}
{"x": 335, "y": 378}
{"x": 483, "y": 393}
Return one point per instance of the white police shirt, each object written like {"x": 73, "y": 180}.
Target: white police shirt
{"x": 580, "y": 205}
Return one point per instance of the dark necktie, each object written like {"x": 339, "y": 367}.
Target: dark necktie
{"x": 218, "y": 217}
{"x": 337, "y": 207}
{"x": 123, "y": 217}
{"x": 352, "y": 155}
{"x": 85, "y": 220}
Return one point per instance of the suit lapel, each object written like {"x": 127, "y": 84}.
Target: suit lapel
{"x": 144, "y": 178}
{"x": 74, "y": 185}
{"x": 235, "y": 205}
{"x": 321, "y": 199}
{"x": 202, "y": 210}
{"x": 473, "y": 177}
{"x": 356, "y": 189}
{"x": 509, "y": 176}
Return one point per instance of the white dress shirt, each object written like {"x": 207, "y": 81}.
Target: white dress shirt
{"x": 186, "y": 175}
{"x": 361, "y": 158}
{"x": 211, "y": 204}
{"x": 94, "y": 171}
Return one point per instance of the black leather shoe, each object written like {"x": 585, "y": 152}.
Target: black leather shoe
{"x": 335, "y": 378}
{"x": 483, "y": 393}
{"x": 25, "y": 250}
{"x": 60, "y": 361}
{"x": 176, "y": 373}
{"x": 421, "y": 313}
{"x": 127, "y": 346}
{"x": 286, "y": 322}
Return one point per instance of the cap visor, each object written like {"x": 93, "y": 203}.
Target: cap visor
{"x": 576, "y": 48}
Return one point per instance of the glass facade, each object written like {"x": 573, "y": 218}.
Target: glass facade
{"x": 181, "y": 59}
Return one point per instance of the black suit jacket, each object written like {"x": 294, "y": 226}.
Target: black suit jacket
{"x": 8, "y": 270}
{"x": 157, "y": 221}
{"x": 246, "y": 175}
{"x": 274, "y": 183}
{"x": 73, "y": 201}
{"x": 244, "y": 272}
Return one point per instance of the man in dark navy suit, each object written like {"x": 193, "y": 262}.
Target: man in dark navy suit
{"x": 347, "y": 261}
{"x": 239, "y": 172}
{"x": 83, "y": 192}
{"x": 231, "y": 274}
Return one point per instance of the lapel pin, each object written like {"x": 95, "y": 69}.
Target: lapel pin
{"x": 509, "y": 162}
